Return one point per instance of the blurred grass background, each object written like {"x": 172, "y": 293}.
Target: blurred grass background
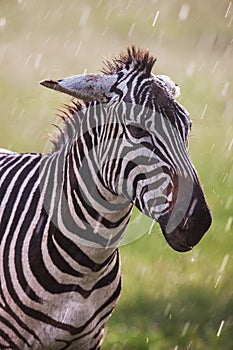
{"x": 170, "y": 301}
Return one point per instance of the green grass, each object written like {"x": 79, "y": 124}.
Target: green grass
{"x": 170, "y": 301}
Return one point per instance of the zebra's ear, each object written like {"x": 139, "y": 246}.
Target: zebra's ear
{"x": 91, "y": 87}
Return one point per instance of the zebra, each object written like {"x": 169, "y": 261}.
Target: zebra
{"x": 63, "y": 214}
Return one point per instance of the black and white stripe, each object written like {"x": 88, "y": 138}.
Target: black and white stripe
{"x": 63, "y": 214}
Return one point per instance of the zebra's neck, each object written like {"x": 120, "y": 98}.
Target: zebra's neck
{"x": 77, "y": 199}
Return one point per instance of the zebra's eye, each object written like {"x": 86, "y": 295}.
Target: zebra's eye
{"x": 136, "y": 131}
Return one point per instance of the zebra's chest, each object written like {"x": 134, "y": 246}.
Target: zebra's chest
{"x": 64, "y": 312}
{"x": 54, "y": 294}
{"x": 79, "y": 323}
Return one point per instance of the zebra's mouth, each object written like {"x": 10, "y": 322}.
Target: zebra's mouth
{"x": 178, "y": 246}
{"x": 177, "y": 240}
{"x": 188, "y": 233}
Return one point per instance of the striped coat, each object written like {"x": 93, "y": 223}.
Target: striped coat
{"x": 63, "y": 214}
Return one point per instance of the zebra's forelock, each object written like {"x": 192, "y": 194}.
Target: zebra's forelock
{"x": 141, "y": 59}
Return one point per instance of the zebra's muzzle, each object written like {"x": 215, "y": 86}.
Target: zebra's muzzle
{"x": 188, "y": 227}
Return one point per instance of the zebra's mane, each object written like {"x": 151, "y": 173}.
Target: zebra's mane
{"x": 141, "y": 59}
{"x": 70, "y": 116}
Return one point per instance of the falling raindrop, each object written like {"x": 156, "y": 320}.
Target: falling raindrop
{"x": 230, "y": 145}
{"x": 66, "y": 43}
{"x": 28, "y": 59}
{"x": 155, "y": 19}
{"x": 230, "y": 22}
{"x": 129, "y": 4}
{"x": 212, "y": 148}
{"x": 225, "y": 178}
{"x": 228, "y": 9}
{"x": 2, "y": 22}
{"x": 168, "y": 308}
{"x": 78, "y": 48}
{"x": 224, "y": 263}
{"x": 37, "y": 60}
{"x": 218, "y": 280}
{"x": 201, "y": 66}
{"x": 63, "y": 318}
{"x": 184, "y": 12}
{"x": 215, "y": 67}
{"x": 84, "y": 16}
{"x": 204, "y": 111}
{"x": 208, "y": 279}
{"x": 228, "y": 51}
{"x": 227, "y": 113}
{"x": 131, "y": 29}
{"x": 185, "y": 329}
{"x": 143, "y": 273}
{"x": 19, "y": 116}
{"x": 225, "y": 88}
{"x": 194, "y": 256}
{"x": 228, "y": 224}
{"x": 151, "y": 227}
{"x": 229, "y": 202}
{"x": 220, "y": 328}
{"x": 98, "y": 4}
{"x": 190, "y": 69}
{"x": 27, "y": 36}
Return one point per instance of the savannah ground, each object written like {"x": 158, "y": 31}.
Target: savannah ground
{"x": 170, "y": 301}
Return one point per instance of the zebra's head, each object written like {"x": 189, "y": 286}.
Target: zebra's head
{"x": 156, "y": 173}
